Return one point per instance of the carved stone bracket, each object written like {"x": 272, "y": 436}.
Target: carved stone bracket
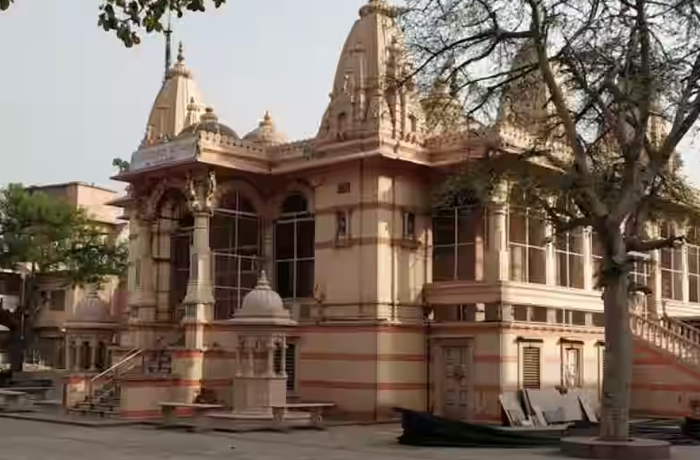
{"x": 200, "y": 192}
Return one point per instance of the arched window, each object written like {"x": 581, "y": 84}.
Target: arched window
{"x": 294, "y": 248}
{"x": 235, "y": 244}
{"x": 526, "y": 241}
{"x": 456, "y": 233}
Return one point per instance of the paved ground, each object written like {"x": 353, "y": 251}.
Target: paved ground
{"x": 27, "y": 440}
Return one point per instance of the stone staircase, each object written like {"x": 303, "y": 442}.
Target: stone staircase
{"x": 669, "y": 335}
{"x": 103, "y": 395}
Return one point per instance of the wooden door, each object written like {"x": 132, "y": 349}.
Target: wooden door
{"x": 456, "y": 371}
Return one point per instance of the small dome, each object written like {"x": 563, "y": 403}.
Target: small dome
{"x": 265, "y": 133}
{"x": 208, "y": 123}
{"x": 262, "y": 302}
{"x": 92, "y": 309}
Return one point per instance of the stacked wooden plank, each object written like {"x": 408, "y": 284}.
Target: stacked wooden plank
{"x": 546, "y": 408}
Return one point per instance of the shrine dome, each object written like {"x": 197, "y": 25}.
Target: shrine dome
{"x": 208, "y": 123}
{"x": 266, "y": 133}
{"x": 92, "y": 309}
{"x": 263, "y": 304}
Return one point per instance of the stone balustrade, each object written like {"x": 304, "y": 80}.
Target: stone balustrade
{"x": 668, "y": 335}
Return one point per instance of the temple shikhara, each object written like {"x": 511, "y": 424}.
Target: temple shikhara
{"x": 265, "y": 271}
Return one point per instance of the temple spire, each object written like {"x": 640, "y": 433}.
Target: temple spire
{"x": 168, "y": 46}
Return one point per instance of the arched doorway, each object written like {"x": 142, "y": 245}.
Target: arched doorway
{"x": 172, "y": 246}
{"x": 294, "y": 248}
{"x": 235, "y": 244}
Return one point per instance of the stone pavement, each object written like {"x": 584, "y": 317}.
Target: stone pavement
{"x": 26, "y": 440}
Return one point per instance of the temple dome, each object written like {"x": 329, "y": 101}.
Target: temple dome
{"x": 92, "y": 309}
{"x": 266, "y": 133}
{"x": 208, "y": 123}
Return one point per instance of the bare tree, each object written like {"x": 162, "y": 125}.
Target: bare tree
{"x": 612, "y": 88}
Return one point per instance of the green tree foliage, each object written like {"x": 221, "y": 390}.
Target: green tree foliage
{"x": 121, "y": 165}
{"x": 127, "y": 18}
{"x": 44, "y": 235}
{"x": 599, "y": 93}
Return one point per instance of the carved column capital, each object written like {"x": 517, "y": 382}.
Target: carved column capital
{"x": 200, "y": 192}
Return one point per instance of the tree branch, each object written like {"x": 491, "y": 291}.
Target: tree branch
{"x": 635, "y": 245}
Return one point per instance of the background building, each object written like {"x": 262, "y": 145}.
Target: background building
{"x": 59, "y": 301}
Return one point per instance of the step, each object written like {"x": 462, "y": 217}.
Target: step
{"x": 95, "y": 412}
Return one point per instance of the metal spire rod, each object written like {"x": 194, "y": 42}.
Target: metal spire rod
{"x": 168, "y": 45}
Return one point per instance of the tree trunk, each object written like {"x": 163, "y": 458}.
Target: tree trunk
{"x": 618, "y": 359}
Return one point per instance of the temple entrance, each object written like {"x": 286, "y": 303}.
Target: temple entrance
{"x": 457, "y": 380}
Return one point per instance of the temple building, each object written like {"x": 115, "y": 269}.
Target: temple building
{"x": 392, "y": 301}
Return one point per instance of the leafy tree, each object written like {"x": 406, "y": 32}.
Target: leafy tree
{"x": 120, "y": 164}
{"x": 601, "y": 93}
{"x": 42, "y": 235}
{"x": 126, "y": 18}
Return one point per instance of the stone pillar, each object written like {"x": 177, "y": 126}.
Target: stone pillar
{"x": 655, "y": 304}
{"x": 550, "y": 261}
{"x": 199, "y": 300}
{"x": 147, "y": 295}
{"x": 685, "y": 282}
{"x": 270, "y": 350}
{"x": 69, "y": 353}
{"x": 588, "y": 275}
{"x": 268, "y": 247}
{"x": 93, "y": 354}
{"x": 283, "y": 363}
{"x": 497, "y": 257}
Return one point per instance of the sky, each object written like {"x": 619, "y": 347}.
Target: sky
{"x": 72, "y": 97}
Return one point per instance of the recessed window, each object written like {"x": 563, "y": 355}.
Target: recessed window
{"x": 341, "y": 224}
